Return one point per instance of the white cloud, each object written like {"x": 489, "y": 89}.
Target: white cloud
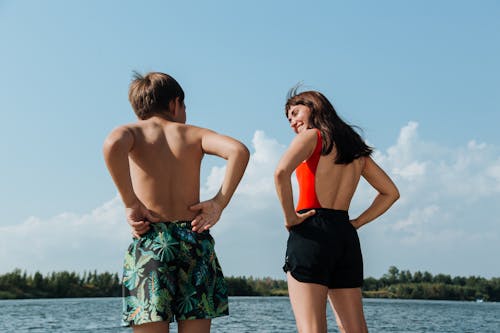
{"x": 258, "y": 178}
{"x": 448, "y": 210}
{"x": 250, "y": 235}
{"x": 411, "y": 171}
{"x": 68, "y": 241}
{"x": 448, "y": 207}
{"x": 417, "y": 217}
{"x": 493, "y": 172}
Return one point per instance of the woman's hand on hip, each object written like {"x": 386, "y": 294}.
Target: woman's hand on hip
{"x": 298, "y": 218}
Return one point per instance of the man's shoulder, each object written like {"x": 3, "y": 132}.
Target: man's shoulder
{"x": 194, "y": 130}
{"x": 119, "y": 130}
{"x": 126, "y": 127}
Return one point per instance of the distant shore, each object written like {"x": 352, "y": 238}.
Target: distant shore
{"x": 394, "y": 284}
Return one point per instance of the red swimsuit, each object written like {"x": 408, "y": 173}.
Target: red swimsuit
{"x": 306, "y": 176}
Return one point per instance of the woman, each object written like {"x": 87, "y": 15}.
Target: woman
{"x": 323, "y": 257}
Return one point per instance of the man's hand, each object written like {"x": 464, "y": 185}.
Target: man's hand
{"x": 139, "y": 218}
{"x": 298, "y": 219}
{"x": 209, "y": 213}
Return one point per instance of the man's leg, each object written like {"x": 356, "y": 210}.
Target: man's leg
{"x": 157, "y": 327}
{"x": 308, "y": 304}
{"x": 347, "y": 305}
{"x": 194, "y": 326}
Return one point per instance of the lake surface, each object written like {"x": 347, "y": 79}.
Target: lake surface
{"x": 251, "y": 314}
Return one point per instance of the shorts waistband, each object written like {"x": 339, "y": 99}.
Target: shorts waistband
{"x": 178, "y": 223}
{"x": 327, "y": 212}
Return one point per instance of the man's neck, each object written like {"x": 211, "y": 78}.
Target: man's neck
{"x": 163, "y": 116}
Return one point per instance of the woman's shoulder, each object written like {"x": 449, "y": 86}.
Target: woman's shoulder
{"x": 309, "y": 134}
{"x": 306, "y": 137}
{"x": 305, "y": 141}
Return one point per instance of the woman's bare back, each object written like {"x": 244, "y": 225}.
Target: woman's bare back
{"x": 336, "y": 183}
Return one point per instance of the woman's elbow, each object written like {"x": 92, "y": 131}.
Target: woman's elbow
{"x": 280, "y": 175}
{"x": 391, "y": 194}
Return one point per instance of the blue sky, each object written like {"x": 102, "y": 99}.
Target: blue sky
{"x": 421, "y": 78}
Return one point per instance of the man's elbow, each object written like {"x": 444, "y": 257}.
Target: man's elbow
{"x": 244, "y": 152}
{"x": 240, "y": 152}
{"x": 394, "y": 194}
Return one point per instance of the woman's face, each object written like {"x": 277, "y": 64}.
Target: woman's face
{"x": 299, "y": 116}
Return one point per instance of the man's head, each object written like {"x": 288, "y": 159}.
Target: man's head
{"x": 154, "y": 94}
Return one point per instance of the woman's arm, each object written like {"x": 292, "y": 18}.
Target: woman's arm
{"x": 387, "y": 192}
{"x": 299, "y": 150}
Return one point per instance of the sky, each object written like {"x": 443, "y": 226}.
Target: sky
{"x": 421, "y": 79}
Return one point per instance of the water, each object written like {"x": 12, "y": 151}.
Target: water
{"x": 251, "y": 314}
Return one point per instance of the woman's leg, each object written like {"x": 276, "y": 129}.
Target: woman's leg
{"x": 347, "y": 304}
{"x": 308, "y": 304}
{"x": 194, "y": 326}
{"x": 157, "y": 327}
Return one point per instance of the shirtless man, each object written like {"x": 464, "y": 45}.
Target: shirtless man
{"x": 171, "y": 271}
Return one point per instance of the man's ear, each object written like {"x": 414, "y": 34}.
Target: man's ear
{"x": 172, "y": 106}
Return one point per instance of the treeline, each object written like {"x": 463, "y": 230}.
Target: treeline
{"x": 243, "y": 286}
{"x": 18, "y": 284}
{"x": 403, "y": 284}
{"x": 394, "y": 284}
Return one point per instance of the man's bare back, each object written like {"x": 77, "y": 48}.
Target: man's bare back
{"x": 165, "y": 163}
{"x": 165, "y": 166}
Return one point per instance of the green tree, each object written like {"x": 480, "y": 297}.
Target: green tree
{"x": 417, "y": 277}
{"x": 427, "y": 277}
{"x": 392, "y": 275}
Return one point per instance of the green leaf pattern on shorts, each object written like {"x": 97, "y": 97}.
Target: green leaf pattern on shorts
{"x": 172, "y": 272}
{"x": 165, "y": 246}
{"x": 134, "y": 270}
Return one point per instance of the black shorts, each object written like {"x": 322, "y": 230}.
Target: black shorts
{"x": 324, "y": 249}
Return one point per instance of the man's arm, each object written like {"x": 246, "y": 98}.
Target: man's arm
{"x": 116, "y": 149}
{"x": 237, "y": 156}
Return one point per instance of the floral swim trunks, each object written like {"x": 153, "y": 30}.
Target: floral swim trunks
{"x": 172, "y": 273}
